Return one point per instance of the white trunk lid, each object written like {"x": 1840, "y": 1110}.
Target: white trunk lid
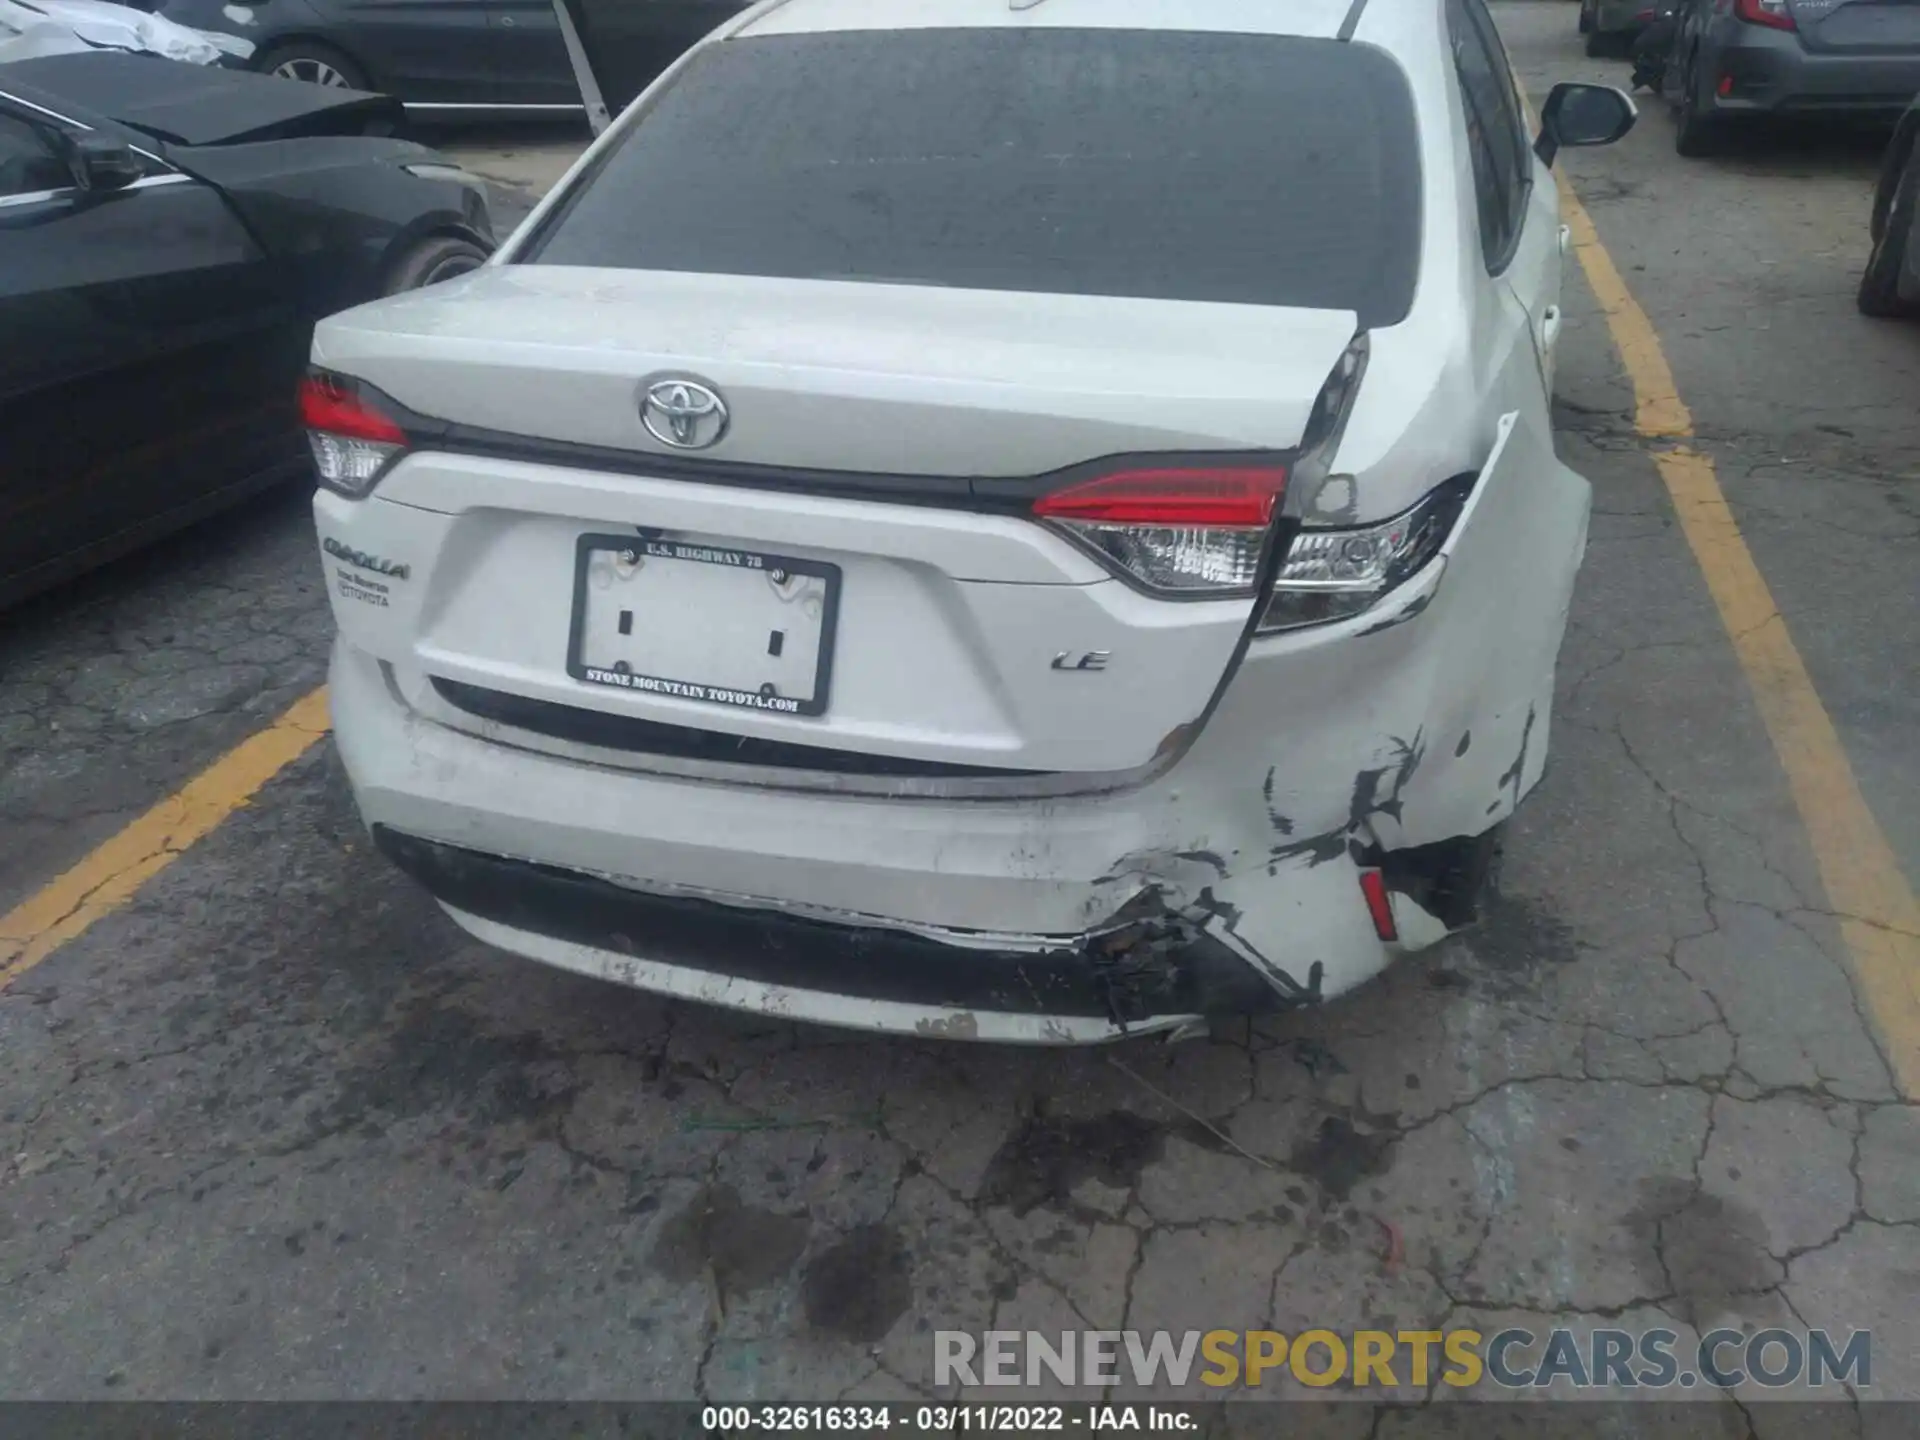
{"x": 843, "y": 582}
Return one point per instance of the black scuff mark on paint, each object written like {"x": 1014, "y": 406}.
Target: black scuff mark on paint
{"x": 1274, "y": 818}
{"x": 1316, "y": 849}
{"x": 1466, "y": 742}
{"x": 1150, "y": 866}
{"x": 1516, "y": 772}
{"x": 1410, "y": 753}
{"x": 1368, "y": 800}
{"x": 1399, "y": 617}
{"x": 1216, "y": 908}
{"x": 1204, "y": 857}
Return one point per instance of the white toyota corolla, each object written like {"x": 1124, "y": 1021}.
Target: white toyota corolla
{"x": 1018, "y": 521}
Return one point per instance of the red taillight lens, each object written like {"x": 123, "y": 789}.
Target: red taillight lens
{"x": 352, "y": 437}
{"x": 1214, "y": 495}
{"x": 338, "y": 406}
{"x": 1185, "y": 530}
{"x": 1373, "y": 885}
{"x": 1772, "y": 13}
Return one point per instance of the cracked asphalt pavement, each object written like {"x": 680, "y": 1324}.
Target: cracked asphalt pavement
{"x": 277, "y": 1129}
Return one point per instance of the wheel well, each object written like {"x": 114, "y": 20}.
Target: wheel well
{"x": 404, "y": 245}
{"x": 1900, "y": 153}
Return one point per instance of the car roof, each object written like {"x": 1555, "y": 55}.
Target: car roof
{"x": 182, "y": 104}
{"x": 1322, "y": 19}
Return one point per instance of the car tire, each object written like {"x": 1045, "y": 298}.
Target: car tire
{"x": 1879, "y": 293}
{"x": 1696, "y": 132}
{"x": 436, "y": 258}
{"x": 315, "y": 63}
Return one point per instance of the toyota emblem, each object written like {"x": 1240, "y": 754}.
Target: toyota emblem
{"x": 683, "y": 413}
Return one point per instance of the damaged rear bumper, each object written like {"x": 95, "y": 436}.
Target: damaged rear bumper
{"x": 1060, "y": 921}
{"x": 1158, "y": 972}
{"x": 1349, "y": 769}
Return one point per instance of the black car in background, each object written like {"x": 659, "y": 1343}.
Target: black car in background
{"x": 168, "y": 235}
{"x": 454, "y": 56}
{"x": 1890, "y": 285}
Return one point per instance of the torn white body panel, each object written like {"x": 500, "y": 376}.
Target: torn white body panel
{"x": 30, "y": 29}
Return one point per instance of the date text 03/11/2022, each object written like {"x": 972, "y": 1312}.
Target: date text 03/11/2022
{"x": 946, "y": 1419}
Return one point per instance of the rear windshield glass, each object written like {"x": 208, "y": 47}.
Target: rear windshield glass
{"x": 1262, "y": 170}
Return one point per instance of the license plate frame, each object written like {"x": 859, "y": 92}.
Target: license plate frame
{"x": 699, "y": 691}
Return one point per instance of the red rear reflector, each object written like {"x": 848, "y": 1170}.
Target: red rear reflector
{"x": 1726, "y": 84}
{"x": 1373, "y": 885}
{"x": 1243, "y": 496}
{"x": 329, "y": 404}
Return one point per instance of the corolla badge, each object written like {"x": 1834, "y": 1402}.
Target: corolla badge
{"x": 684, "y": 413}
{"x": 392, "y": 569}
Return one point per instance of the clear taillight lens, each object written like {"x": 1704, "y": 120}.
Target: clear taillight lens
{"x": 1194, "y": 531}
{"x": 1330, "y": 574}
{"x": 354, "y": 438}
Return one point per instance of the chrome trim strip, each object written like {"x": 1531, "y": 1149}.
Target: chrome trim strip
{"x": 462, "y": 107}
{"x": 32, "y": 197}
{"x": 36, "y": 197}
{"x": 10, "y": 97}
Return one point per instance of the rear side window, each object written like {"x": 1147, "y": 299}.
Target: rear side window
{"x": 1247, "y": 169}
{"x": 27, "y": 161}
{"x": 1496, "y": 135}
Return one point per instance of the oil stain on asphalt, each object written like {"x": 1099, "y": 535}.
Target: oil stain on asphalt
{"x": 1706, "y": 1250}
{"x": 1042, "y": 1161}
{"x": 746, "y": 1248}
{"x": 859, "y": 1287}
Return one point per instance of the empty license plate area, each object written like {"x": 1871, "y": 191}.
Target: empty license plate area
{"x": 703, "y": 622}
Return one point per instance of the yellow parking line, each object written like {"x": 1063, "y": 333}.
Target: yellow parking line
{"x": 109, "y": 876}
{"x": 1866, "y": 889}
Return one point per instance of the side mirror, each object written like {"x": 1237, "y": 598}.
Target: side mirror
{"x": 100, "y": 164}
{"x": 1577, "y": 114}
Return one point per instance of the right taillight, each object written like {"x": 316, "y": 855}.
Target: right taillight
{"x": 1772, "y": 13}
{"x": 351, "y": 430}
{"x": 1330, "y": 574}
{"x": 1196, "y": 531}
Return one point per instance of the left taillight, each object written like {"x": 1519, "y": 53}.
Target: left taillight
{"x": 352, "y": 431}
{"x": 1195, "y": 531}
{"x": 1772, "y": 13}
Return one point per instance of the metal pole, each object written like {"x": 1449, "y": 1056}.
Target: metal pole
{"x": 590, "y": 96}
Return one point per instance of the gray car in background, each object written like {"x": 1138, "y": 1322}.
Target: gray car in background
{"x": 1734, "y": 59}
{"x": 1890, "y": 285}
{"x": 1611, "y": 25}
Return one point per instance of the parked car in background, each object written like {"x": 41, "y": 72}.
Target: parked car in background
{"x": 169, "y": 233}
{"x": 1731, "y": 62}
{"x": 450, "y": 56}
{"x": 1611, "y": 25}
{"x": 1890, "y": 285}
